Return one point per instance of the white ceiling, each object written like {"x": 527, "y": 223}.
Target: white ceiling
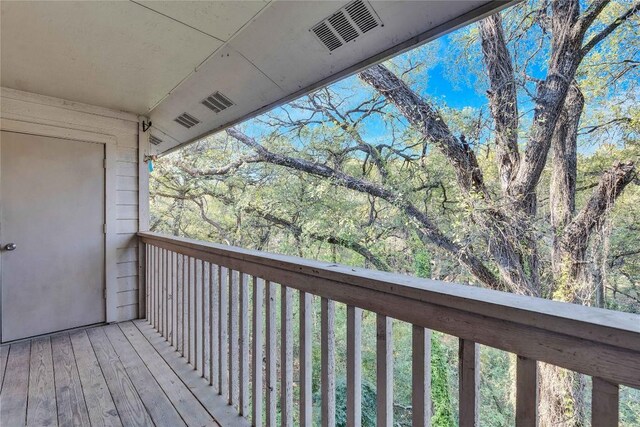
{"x": 162, "y": 58}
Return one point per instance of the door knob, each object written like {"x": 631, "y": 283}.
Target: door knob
{"x": 10, "y": 247}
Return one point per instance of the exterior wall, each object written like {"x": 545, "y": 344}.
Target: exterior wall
{"x": 35, "y": 114}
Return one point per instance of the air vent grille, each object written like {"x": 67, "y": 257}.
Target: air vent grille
{"x": 217, "y": 102}
{"x": 155, "y": 140}
{"x": 187, "y": 120}
{"x": 346, "y": 25}
{"x": 326, "y": 36}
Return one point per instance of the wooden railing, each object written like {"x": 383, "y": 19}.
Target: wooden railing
{"x": 201, "y": 297}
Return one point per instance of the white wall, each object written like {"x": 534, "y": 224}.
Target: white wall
{"x": 126, "y": 206}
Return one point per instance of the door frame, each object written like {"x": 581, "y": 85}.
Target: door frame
{"x": 110, "y": 195}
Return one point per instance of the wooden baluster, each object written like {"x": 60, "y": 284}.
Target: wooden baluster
{"x": 526, "y": 392}
{"x": 161, "y": 281}
{"x": 196, "y": 320}
{"x": 469, "y": 381}
{"x": 182, "y": 306}
{"x": 223, "y": 308}
{"x": 354, "y": 366}
{"x": 156, "y": 300}
{"x": 286, "y": 356}
{"x": 270, "y": 307}
{"x": 421, "y": 377}
{"x": 243, "y": 404}
{"x": 202, "y": 322}
{"x": 147, "y": 276}
{"x": 306, "y": 359}
{"x": 172, "y": 296}
{"x": 165, "y": 262}
{"x": 189, "y": 307}
{"x": 328, "y": 362}
{"x": 604, "y": 403}
{"x": 258, "y": 301}
{"x": 384, "y": 370}
{"x": 213, "y": 326}
{"x": 233, "y": 338}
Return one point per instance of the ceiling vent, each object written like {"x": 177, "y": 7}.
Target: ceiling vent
{"x": 217, "y": 102}
{"x": 155, "y": 140}
{"x": 347, "y": 24}
{"x": 187, "y": 120}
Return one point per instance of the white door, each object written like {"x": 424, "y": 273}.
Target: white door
{"x": 51, "y": 234}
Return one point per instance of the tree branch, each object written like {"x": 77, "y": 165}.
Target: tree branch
{"x": 435, "y": 236}
{"x": 609, "y": 29}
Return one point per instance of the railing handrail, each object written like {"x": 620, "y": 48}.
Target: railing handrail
{"x": 593, "y": 341}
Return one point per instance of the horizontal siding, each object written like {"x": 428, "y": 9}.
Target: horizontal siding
{"x": 127, "y": 226}
{"x": 127, "y": 183}
{"x": 126, "y": 298}
{"x": 128, "y": 283}
{"x": 126, "y": 212}
{"x": 128, "y": 312}
{"x": 126, "y": 197}
{"x": 126, "y": 255}
{"x": 127, "y": 169}
{"x": 127, "y": 154}
{"x": 127, "y": 269}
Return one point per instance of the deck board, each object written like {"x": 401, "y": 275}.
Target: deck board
{"x": 191, "y": 410}
{"x": 72, "y": 411}
{"x": 157, "y": 403}
{"x": 115, "y": 375}
{"x": 130, "y": 408}
{"x": 102, "y": 409}
{"x": 13, "y": 398}
{"x": 41, "y": 408}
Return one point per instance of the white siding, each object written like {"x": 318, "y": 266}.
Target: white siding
{"x": 73, "y": 120}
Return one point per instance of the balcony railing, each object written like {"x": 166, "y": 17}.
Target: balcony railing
{"x": 202, "y": 297}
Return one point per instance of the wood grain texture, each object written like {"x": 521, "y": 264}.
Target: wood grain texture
{"x": 223, "y": 332}
{"x": 421, "y": 377}
{"x": 13, "y": 398}
{"x": 42, "y": 410}
{"x": 72, "y": 409}
{"x": 189, "y": 408}
{"x": 306, "y": 359}
{"x": 102, "y": 410}
{"x": 233, "y": 338}
{"x": 244, "y": 373}
{"x": 271, "y": 356}
{"x": 328, "y": 362}
{"x": 469, "y": 382}
{"x": 214, "y": 329}
{"x": 258, "y": 351}
{"x": 354, "y": 366}
{"x": 130, "y": 408}
{"x": 286, "y": 356}
{"x": 384, "y": 371}
{"x": 527, "y": 392}
{"x": 605, "y": 398}
{"x": 155, "y": 401}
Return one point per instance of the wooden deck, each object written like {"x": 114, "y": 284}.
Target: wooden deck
{"x": 115, "y": 375}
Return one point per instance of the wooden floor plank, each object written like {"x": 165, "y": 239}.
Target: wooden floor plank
{"x": 129, "y": 405}
{"x": 13, "y": 398}
{"x": 4, "y": 354}
{"x": 41, "y": 409}
{"x": 72, "y": 411}
{"x": 215, "y": 404}
{"x": 100, "y": 405}
{"x": 155, "y": 400}
{"x": 191, "y": 410}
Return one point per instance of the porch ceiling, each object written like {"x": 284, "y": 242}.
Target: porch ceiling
{"x": 162, "y": 58}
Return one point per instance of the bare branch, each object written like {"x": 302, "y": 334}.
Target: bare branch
{"x": 633, "y": 10}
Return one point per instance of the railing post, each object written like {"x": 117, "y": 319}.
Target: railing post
{"x": 214, "y": 341}
{"x": 258, "y": 301}
{"x": 469, "y": 378}
{"x": 272, "y": 385}
{"x": 421, "y": 377}
{"x": 604, "y": 403}
{"x": 243, "y": 404}
{"x": 286, "y": 356}
{"x": 306, "y": 402}
{"x": 354, "y": 366}
{"x": 384, "y": 370}
{"x": 526, "y": 392}
{"x": 328, "y": 362}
